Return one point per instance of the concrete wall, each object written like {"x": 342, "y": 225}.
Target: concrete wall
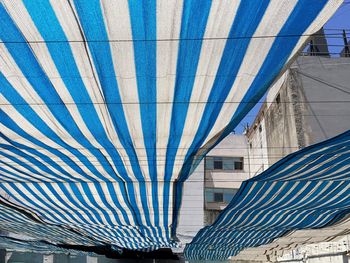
{"x": 314, "y": 105}
{"x": 280, "y": 123}
{"x": 309, "y": 104}
{"x": 325, "y": 84}
{"x": 257, "y": 145}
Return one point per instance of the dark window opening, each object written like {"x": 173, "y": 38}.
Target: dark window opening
{"x": 217, "y": 165}
{"x": 218, "y": 197}
{"x": 239, "y": 165}
{"x": 278, "y": 99}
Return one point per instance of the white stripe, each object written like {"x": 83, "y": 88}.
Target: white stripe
{"x": 44, "y": 175}
{"x": 25, "y": 23}
{"x": 51, "y": 200}
{"x": 33, "y": 131}
{"x": 11, "y": 134}
{"x": 72, "y": 32}
{"x": 18, "y": 176}
{"x": 64, "y": 197}
{"x": 328, "y": 10}
{"x": 40, "y": 174}
{"x": 218, "y": 26}
{"x": 74, "y": 111}
{"x": 24, "y": 203}
{"x": 169, "y": 14}
{"x": 117, "y": 21}
{"x": 276, "y": 14}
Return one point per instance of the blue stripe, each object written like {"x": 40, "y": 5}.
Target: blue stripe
{"x": 61, "y": 53}
{"x": 233, "y": 55}
{"x": 31, "y": 161}
{"x": 17, "y": 146}
{"x": 235, "y": 49}
{"x": 143, "y": 24}
{"x": 193, "y": 24}
{"x": 63, "y": 58}
{"x": 23, "y": 164}
{"x": 27, "y": 112}
{"x": 89, "y": 195}
{"x": 67, "y": 205}
{"x": 268, "y": 206}
{"x": 102, "y": 58}
{"x": 8, "y": 122}
{"x": 88, "y": 210}
{"x": 35, "y": 207}
{"x": 6, "y": 171}
{"x": 268, "y": 187}
{"x": 32, "y": 70}
{"x": 290, "y": 159}
{"x": 298, "y": 21}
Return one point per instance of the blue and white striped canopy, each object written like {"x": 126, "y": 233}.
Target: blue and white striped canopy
{"x": 106, "y": 106}
{"x": 18, "y": 245}
{"x": 309, "y": 189}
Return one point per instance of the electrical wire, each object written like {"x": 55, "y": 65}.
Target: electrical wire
{"x": 165, "y": 39}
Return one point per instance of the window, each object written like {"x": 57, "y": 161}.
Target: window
{"x": 260, "y": 128}
{"x": 218, "y": 164}
{"x": 219, "y": 195}
{"x": 238, "y": 163}
{"x": 223, "y": 163}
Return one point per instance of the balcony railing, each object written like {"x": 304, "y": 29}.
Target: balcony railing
{"x": 329, "y": 43}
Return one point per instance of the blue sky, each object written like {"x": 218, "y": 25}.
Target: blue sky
{"x": 340, "y": 20}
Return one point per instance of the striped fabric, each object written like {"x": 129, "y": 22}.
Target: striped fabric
{"x": 16, "y": 245}
{"x": 18, "y": 220}
{"x": 309, "y": 189}
{"x": 107, "y": 106}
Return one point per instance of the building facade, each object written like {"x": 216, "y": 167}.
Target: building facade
{"x": 216, "y": 180}
{"x": 212, "y": 185}
{"x": 225, "y": 167}
{"x": 308, "y": 104}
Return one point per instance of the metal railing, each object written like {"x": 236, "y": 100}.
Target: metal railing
{"x": 329, "y": 43}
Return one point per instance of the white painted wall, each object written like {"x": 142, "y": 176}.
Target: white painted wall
{"x": 191, "y": 218}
